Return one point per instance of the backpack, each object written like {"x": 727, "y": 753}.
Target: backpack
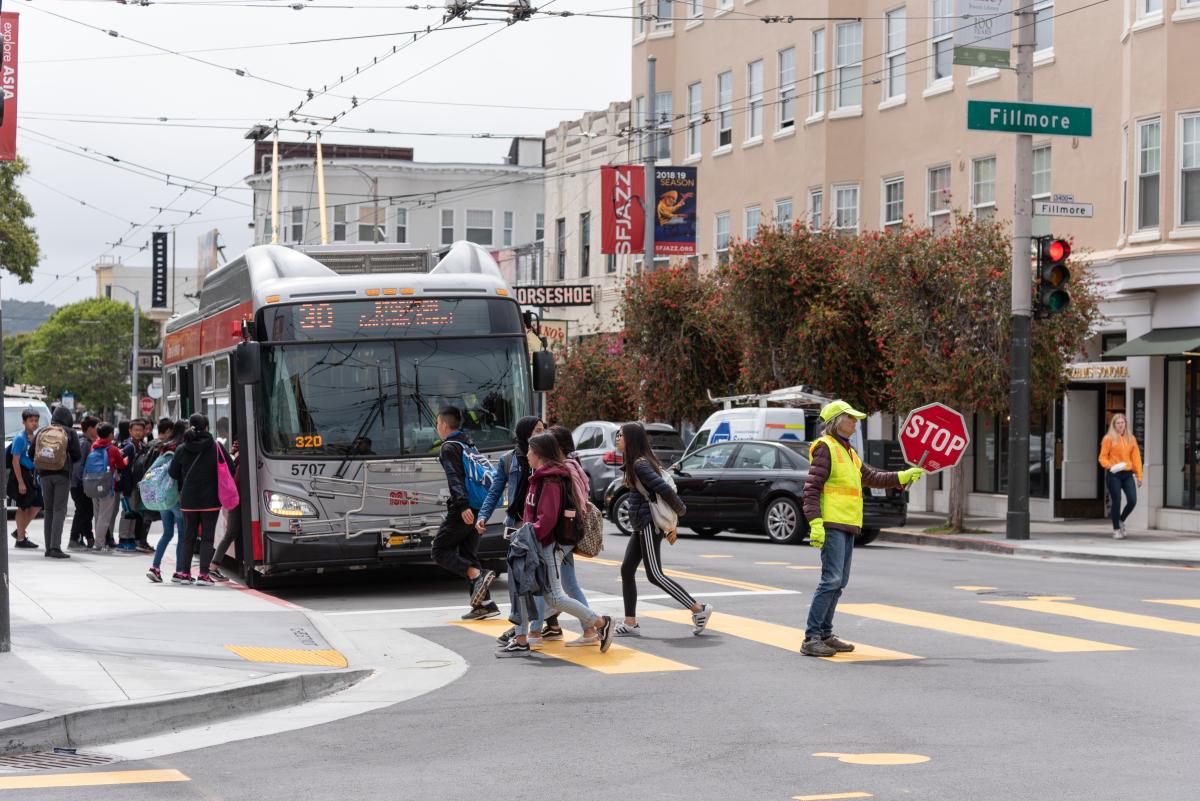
{"x": 85, "y": 447}
{"x": 591, "y": 541}
{"x": 159, "y": 491}
{"x": 477, "y": 475}
{"x": 142, "y": 462}
{"x": 51, "y": 451}
{"x": 97, "y": 478}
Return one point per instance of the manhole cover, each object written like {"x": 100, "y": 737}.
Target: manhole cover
{"x": 57, "y": 759}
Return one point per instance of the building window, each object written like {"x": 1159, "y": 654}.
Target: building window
{"x": 509, "y": 220}
{"x": 447, "y": 226}
{"x": 1041, "y": 187}
{"x": 639, "y": 19}
{"x": 610, "y": 263}
{"x": 787, "y": 88}
{"x": 298, "y": 224}
{"x": 983, "y": 187}
{"x": 754, "y": 97}
{"x": 845, "y": 208}
{"x": 990, "y": 442}
{"x": 816, "y": 209}
{"x": 939, "y": 198}
{"x": 1182, "y": 437}
{"x": 893, "y": 62}
{"x": 371, "y": 224}
{"x": 339, "y": 223}
{"x": 585, "y": 244}
{"x": 695, "y": 9}
{"x": 1043, "y": 25}
{"x": 783, "y": 213}
{"x": 941, "y": 47}
{"x": 724, "y": 109}
{"x": 401, "y": 225}
{"x": 1148, "y": 8}
{"x": 663, "y": 15}
{"x": 695, "y": 116}
{"x": 817, "y": 72}
{"x": 662, "y": 110}
{"x": 539, "y": 227}
{"x": 1124, "y": 180}
{"x": 753, "y": 220}
{"x": 479, "y": 226}
{"x": 560, "y": 248}
{"x": 1149, "y": 156}
{"x": 721, "y": 237}
{"x": 848, "y": 66}
{"x": 893, "y": 203}
{"x": 1189, "y": 170}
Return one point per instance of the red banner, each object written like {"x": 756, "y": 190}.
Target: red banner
{"x": 8, "y": 85}
{"x": 623, "y": 210}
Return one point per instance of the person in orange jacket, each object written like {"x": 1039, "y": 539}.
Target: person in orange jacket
{"x": 1119, "y": 455}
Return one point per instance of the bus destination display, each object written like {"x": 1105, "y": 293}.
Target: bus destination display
{"x": 392, "y": 318}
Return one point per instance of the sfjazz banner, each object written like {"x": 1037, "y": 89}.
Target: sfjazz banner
{"x": 982, "y": 32}
{"x": 8, "y": 87}
{"x": 623, "y": 210}
{"x": 674, "y": 211}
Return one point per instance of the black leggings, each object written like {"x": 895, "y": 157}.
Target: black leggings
{"x": 202, "y": 525}
{"x": 646, "y": 546}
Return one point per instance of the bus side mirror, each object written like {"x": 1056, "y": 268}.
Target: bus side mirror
{"x": 543, "y": 371}
{"x": 248, "y": 363}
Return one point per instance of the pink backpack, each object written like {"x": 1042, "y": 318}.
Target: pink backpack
{"x": 227, "y": 490}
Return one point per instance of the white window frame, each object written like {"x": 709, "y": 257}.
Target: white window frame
{"x": 296, "y": 224}
{"x": 754, "y": 101}
{"x": 664, "y": 109}
{"x": 338, "y": 213}
{"x": 1124, "y": 181}
{"x": 659, "y": 25}
{"x": 724, "y": 128}
{"x": 400, "y": 218}
{"x": 887, "y": 220}
{"x": 695, "y": 11}
{"x": 816, "y": 208}
{"x": 1180, "y": 160}
{"x": 722, "y": 252}
{"x": 783, "y": 213}
{"x": 1041, "y": 7}
{"x": 785, "y": 120}
{"x": 539, "y": 226}
{"x": 509, "y": 229}
{"x": 585, "y": 244}
{"x": 444, "y": 227}
{"x": 850, "y": 190}
{"x": 942, "y": 23}
{"x": 895, "y": 59}
{"x": 1157, "y": 173}
{"x": 752, "y": 220}
{"x": 977, "y": 204}
{"x": 934, "y": 213}
{"x": 560, "y": 248}
{"x": 639, "y": 19}
{"x": 1040, "y": 223}
{"x": 817, "y": 57}
{"x": 848, "y": 75}
{"x": 375, "y": 215}
{"x": 1144, "y": 11}
{"x": 695, "y": 101}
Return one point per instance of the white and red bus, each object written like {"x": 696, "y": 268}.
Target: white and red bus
{"x": 330, "y": 383}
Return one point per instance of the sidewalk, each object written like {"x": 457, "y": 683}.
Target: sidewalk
{"x": 1070, "y": 539}
{"x": 100, "y": 653}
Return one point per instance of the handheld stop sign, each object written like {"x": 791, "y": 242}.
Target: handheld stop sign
{"x": 934, "y": 437}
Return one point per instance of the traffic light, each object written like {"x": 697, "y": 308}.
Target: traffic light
{"x": 1053, "y": 275}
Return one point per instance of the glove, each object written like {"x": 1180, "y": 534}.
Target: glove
{"x": 1118, "y": 467}
{"x": 910, "y": 475}
{"x": 816, "y": 533}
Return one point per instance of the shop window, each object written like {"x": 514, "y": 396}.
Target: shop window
{"x": 990, "y": 441}
{"x": 1182, "y": 440}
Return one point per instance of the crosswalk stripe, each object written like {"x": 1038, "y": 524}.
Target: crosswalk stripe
{"x": 1191, "y": 603}
{"x": 966, "y": 627}
{"x": 91, "y": 779}
{"x": 831, "y": 796}
{"x": 776, "y": 635}
{"x": 681, "y": 574}
{"x": 619, "y": 659}
{"x": 1098, "y": 615}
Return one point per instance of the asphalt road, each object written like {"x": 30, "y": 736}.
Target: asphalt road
{"x": 991, "y": 685}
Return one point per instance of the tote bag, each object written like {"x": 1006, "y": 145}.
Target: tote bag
{"x": 227, "y": 490}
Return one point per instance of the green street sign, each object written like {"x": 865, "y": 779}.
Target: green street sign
{"x": 1030, "y": 118}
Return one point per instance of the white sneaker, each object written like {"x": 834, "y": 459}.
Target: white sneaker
{"x": 623, "y": 629}
{"x": 1119, "y": 533}
{"x": 1123, "y": 531}
{"x": 700, "y": 619}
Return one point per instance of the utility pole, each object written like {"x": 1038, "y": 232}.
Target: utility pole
{"x": 275, "y": 189}
{"x": 648, "y": 157}
{"x": 1017, "y": 527}
{"x": 5, "y": 626}
{"x": 321, "y": 193}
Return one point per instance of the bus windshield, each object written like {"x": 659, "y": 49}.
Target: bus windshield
{"x": 381, "y": 399}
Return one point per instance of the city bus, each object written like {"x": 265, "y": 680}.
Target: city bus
{"x": 330, "y": 383}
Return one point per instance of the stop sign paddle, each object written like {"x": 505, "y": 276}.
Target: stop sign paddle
{"x": 934, "y": 437}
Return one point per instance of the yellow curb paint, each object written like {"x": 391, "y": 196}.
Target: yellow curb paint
{"x": 877, "y": 759}
{"x": 90, "y": 779}
{"x": 776, "y": 635}
{"x": 724, "y": 582}
{"x": 972, "y": 587}
{"x": 620, "y": 659}
{"x": 1027, "y": 638}
{"x": 1097, "y": 615}
{"x": 326, "y": 657}
{"x": 1191, "y": 603}
{"x": 830, "y": 796}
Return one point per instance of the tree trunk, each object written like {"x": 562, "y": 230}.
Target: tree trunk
{"x": 958, "y": 499}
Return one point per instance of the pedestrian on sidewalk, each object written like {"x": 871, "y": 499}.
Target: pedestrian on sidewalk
{"x": 1121, "y": 457}
{"x": 134, "y": 527}
{"x": 195, "y": 469}
{"x": 170, "y": 437}
{"x": 833, "y": 505}
{"x": 105, "y": 507}
{"x": 550, "y": 485}
{"x": 644, "y": 478}
{"x": 81, "y": 522}
{"x": 233, "y": 519}
{"x": 55, "y": 451}
{"x": 456, "y": 544}
{"x": 23, "y": 485}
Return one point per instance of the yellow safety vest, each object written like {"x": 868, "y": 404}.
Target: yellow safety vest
{"x": 841, "y": 498}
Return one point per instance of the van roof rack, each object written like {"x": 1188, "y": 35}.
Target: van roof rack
{"x": 799, "y": 395}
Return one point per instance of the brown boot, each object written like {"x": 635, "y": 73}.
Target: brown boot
{"x": 815, "y": 647}
{"x": 841, "y": 646}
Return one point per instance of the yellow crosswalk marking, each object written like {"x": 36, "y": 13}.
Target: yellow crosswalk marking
{"x": 776, "y": 635}
{"x": 1098, "y": 615}
{"x": 977, "y": 628}
{"x": 724, "y": 582}
{"x": 326, "y": 657}
{"x": 804, "y": 567}
{"x": 90, "y": 779}
{"x": 831, "y": 796}
{"x": 772, "y": 563}
{"x": 972, "y": 587}
{"x": 619, "y": 659}
{"x": 1191, "y": 603}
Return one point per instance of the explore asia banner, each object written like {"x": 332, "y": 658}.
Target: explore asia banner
{"x": 675, "y": 211}
{"x": 8, "y": 85}
{"x": 623, "y": 211}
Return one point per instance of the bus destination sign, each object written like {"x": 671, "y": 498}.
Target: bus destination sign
{"x": 391, "y": 318}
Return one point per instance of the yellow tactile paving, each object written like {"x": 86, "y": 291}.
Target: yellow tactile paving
{"x": 778, "y": 636}
{"x": 326, "y": 657}
{"x": 1098, "y": 615}
{"x": 1028, "y": 638}
{"x": 724, "y": 582}
{"x": 45, "y": 781}
{"x": 619, "y": 659}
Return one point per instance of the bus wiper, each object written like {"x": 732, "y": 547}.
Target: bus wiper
{"x": 376, "y": 411}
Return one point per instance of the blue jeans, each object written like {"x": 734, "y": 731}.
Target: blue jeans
{"x": 557, "y": 600}
{"x": 1118, "y": 483}
{"x": 835, "y": 575}
{"x": 570, "y": 585}
{"x": 170, "y": 519}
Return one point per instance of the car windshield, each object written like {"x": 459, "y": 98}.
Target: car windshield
{"x": 665, "y": 441}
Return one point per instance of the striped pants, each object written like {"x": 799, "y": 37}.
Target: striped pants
{"x": 645, "y": 546}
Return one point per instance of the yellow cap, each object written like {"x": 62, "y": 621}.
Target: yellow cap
{"x": 834, "y": 408}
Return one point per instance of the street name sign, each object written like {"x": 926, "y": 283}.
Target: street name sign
{"x": 934, "y": 437}
{"x": 1054, "y": 208}
{"x": 1030, "y": 118}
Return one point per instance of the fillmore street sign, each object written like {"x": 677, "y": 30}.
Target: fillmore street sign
{"x": 1030, "y": 118}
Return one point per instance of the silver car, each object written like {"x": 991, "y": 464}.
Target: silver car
{"x": 595, "y": 445}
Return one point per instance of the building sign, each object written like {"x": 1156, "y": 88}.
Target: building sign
{"x": 158, "y": 263}
{"x": 8, "y": 87}
{"x": 1098, "y": 371}
{"x": 150, "y": 360}
{"x": 985, "y": 39}
{"x": 675, "y": 211}
{"x": 206, "y": 256}
{"x": 555, "y": 332}
{"x": 622, "y": 210}
{"x": 1138, "y": 419}
{"x": 555, "y": 295}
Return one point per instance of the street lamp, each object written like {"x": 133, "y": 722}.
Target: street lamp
{"x": 374, "y": 181}
{"x": 137, "y": 312}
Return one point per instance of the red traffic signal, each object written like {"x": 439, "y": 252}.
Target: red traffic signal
{"x": 1052, "y": 274}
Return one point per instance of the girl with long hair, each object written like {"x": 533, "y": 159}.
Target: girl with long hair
{"x": 195, "y": 469}
{"x": 1121, "y": 457}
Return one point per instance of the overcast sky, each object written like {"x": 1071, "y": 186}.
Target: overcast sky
{"x": 69, "y": 71}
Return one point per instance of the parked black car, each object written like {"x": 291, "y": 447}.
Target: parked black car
{"x": 753, "y": 487}
{"x": 595, "y": 445}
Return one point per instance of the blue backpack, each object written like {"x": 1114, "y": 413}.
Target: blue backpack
{"x": 477, "y": 475}
{"x": 97, "y": 478}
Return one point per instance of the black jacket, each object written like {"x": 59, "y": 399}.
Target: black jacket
{"x": 451, "y": 457}
{"x": 195, "y": 469}
{"x": 639, "y": 505}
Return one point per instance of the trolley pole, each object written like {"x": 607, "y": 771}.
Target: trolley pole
{"x": 1017, "y": 527}
{"x": 648, "y": 158}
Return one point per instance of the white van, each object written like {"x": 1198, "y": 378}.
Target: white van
{"x": 787, "y": 424}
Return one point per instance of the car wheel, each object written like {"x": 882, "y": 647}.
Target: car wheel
{"x": 706, "y": 531}
{"x": 866, "y": 537}
{"x": 620, "y": 515}
{"x": 781, "y": 520}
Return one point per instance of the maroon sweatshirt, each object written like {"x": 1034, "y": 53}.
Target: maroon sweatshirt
{"x": 543, "y": 504}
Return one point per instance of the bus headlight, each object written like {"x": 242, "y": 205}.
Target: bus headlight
{"x": 282, "y": 505}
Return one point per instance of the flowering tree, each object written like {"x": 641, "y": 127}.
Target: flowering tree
{"x": 591, "y": 383}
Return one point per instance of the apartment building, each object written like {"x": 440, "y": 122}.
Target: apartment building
{"x": 858, "y": 121}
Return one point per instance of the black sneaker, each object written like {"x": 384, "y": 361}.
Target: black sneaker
{"x": 55, "y": 553}
{"x": 513, "y": 648}
{"x": 841, "y": 646}
{"x": 26, "y": 543}
{"x": 552, "y": 632}
{"x": 75, "y": 545}
{"x": 604, "y": 630}
{"x": 479, "y": 587}
{"x": 145, "y": 547}
{"x": 482, "y": 612}
{"x": 815, "y": 647}
{"x": 508, "y": 635}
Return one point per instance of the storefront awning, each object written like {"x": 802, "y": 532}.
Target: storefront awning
{"x": 1163, "y": 342}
